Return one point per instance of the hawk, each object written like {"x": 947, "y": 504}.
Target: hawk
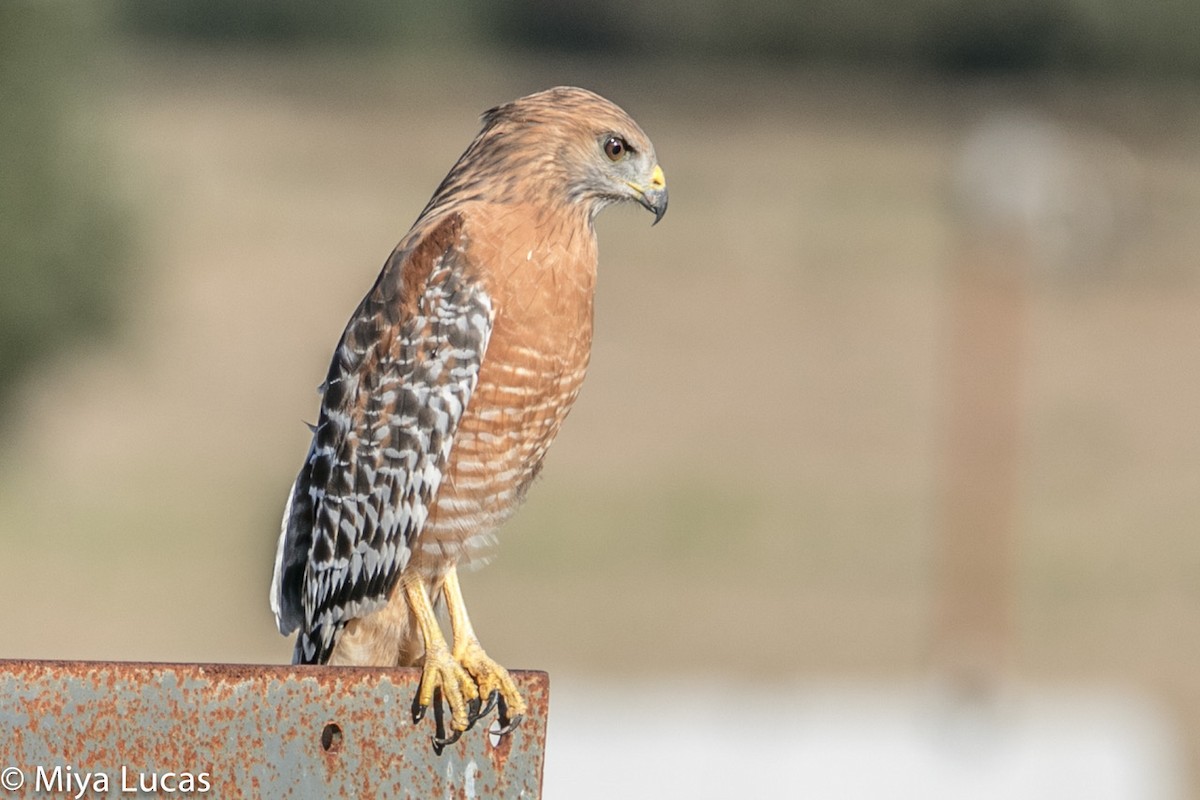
{"x": 450, "y": 381}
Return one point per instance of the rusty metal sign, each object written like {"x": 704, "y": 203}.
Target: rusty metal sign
{"x": 114, "y": 730}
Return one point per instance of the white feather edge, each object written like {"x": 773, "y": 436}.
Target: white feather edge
{"x": 277, "y": 578}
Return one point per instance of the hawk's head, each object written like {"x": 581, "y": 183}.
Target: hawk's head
{"x": 574, "y": 145}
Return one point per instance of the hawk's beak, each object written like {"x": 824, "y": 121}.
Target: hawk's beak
{"x": 654, "y": 197}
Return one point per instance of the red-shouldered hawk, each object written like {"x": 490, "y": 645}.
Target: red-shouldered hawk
{"x": 449, "y": 383}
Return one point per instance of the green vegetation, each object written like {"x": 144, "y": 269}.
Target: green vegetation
{"x": 268, "y": 21}
{"x": 61, "y": 239}
{"x": 945, "y": 36}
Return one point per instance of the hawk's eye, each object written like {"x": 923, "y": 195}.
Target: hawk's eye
{"x": 615, "y": 148}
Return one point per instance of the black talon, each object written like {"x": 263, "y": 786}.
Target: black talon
{"x": 441, "y": 742}
{"x": 510, "y": 726}
{"x": 491, "y": 703}
{"x": 473, "y": 712}
{"x": 418, "y": 710}
{"x": 439, "y": 723}
{"x": 507, "y": 725}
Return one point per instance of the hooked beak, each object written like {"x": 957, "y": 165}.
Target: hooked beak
{"x": 654, "y": 197}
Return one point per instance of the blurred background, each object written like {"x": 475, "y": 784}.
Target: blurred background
{"x": 886, "y": 478}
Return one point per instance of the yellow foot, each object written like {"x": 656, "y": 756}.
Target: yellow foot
{"x": 492, "y": 682}
{"x": 442, "y": 678}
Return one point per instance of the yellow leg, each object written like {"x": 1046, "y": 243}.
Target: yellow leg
{"x": 441, "y": 670}
{"x": 492, "y": 680}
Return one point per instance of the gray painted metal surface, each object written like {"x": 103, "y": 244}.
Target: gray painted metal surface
{"x": 115, "y": 730}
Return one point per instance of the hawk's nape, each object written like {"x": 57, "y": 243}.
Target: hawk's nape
{"x": 450, "y": 382}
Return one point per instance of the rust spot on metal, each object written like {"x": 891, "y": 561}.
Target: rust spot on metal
{"x": 251, "y": 731}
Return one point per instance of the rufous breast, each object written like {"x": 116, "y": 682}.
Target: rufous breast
{"x": 542, "y": 285}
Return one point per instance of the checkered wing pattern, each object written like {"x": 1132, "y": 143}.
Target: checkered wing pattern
{"x": 400, "y": 380}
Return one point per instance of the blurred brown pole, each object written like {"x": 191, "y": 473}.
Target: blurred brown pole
{"x": 986, "y": 304}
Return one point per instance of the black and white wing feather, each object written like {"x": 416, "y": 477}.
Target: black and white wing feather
{"x": 399, "y": 383}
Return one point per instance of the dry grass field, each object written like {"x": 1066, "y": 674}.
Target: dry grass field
{"x": 751, "y": 483}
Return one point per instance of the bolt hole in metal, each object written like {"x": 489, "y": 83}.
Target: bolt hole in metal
{"x": 331, "y": 738}
{"x": 494, "y": 733}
